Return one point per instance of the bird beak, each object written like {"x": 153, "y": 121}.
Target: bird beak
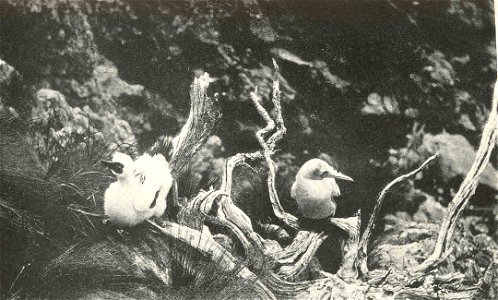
{"x": 114, "y": 166}
{"x": 339, "y": 175}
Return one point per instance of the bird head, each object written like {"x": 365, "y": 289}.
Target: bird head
{"x": 121, "y": 165}
{"x": 318, "y": 169}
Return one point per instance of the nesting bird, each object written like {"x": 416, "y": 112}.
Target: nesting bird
{"x": 140, "y": 190}
{"x": 155, "y": 181}
{"x": 315, "y": 188}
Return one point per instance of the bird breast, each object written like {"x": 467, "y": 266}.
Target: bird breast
{"x": 118, "y": 205}
{"x": 315, "y": 197}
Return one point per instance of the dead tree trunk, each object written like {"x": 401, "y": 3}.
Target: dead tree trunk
{"x": 277, "y": 268}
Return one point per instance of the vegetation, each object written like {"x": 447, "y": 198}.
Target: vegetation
{"x": 376, "y": 88}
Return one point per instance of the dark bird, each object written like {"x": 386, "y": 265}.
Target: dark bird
{"x": 315, "y": 188}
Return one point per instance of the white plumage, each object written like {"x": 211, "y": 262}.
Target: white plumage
{"x": 155, "y": 181}
{"x": 140, "y": 190}
{"x": 315, "y": 188}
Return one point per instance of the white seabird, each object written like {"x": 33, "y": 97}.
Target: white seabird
{"x": 140, "y": 190}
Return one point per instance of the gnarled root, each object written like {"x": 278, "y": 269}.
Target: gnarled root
{"x": 278, "y": 267}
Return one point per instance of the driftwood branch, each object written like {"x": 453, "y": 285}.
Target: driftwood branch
{"x": 203, "y": 242}
{"x": 290, "y": 261}
{"x": 297, "y": 256}
{"x": 204, "y": 115}
{"x": 271, "y": 270}
{"x": 466, "y": 190}
{"x": 363, "y": 243}
{"x": 270, "y": 144}
{"x": 282, "y": 265}
{"x": 348, "y": 268}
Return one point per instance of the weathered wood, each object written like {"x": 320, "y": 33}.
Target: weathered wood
{"x": 466, "y": 190}
{"x": 270, "y": 269}
{"x": 203, "y": 241}
{"x": 204, "y": 115}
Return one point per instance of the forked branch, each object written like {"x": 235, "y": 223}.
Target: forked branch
{"x": 270, "y": 144}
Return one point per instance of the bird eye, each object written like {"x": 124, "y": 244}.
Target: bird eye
{"x": 116, "y": 167}
{"x": 119, "y": 168}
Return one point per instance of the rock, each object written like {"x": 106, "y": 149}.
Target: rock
{"x": 456, "y": 157}
{"x": 330, "y": 78}
{"x": 12, "y": 89}
{"x": 377, "y": 105}
{"x": 403, "y": 215}
{"x": 7, "y": 72}
{"x": 286, "y": 55}
{"x": 107, "y": 77}
{"x": 51, "y": 108}
{"x": 261, "y": 28}
{"x": 430, "y": 211}
{"x": 400, "y": 257}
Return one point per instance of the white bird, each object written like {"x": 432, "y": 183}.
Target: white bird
{"x": 140, "y": 190}
{"x": 119, "y": 197}
{"x": 315, "y": 188}
{"x": 155, "y": 181}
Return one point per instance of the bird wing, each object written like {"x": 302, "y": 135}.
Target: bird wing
{"x": 293, "y": 190}
{"x": 155, "y": 183}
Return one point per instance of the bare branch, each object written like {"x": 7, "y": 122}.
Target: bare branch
{"x": 294, "y": 258}
{"x": 361, "y": 262}
{"x": 348, "y": 225}
{"x": 269, "y": 146}
{"x": 466, "y": 190}
{"x": 232, "y": 216}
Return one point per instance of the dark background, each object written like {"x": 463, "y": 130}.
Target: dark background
{"x": 374, "y": 87}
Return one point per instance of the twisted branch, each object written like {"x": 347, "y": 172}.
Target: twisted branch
{"x": 270, "y": 144}
{"x": 293, "y": 259}
{"x": 350, "y": 249}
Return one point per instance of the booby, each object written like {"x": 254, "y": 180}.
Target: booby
{"x": 315, "y": 188}
{"x": 119, "y": 197}
{"x": 155, "y": 180}
{"x": 140, "y": 190}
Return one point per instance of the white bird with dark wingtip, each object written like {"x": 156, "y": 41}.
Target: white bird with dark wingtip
{"x": 140, "y": 190}
{"x": 155, "y": 181}
{"x": 315, "y": 188}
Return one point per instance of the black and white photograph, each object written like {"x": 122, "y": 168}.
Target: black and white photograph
{"x": 248, "y": 149}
